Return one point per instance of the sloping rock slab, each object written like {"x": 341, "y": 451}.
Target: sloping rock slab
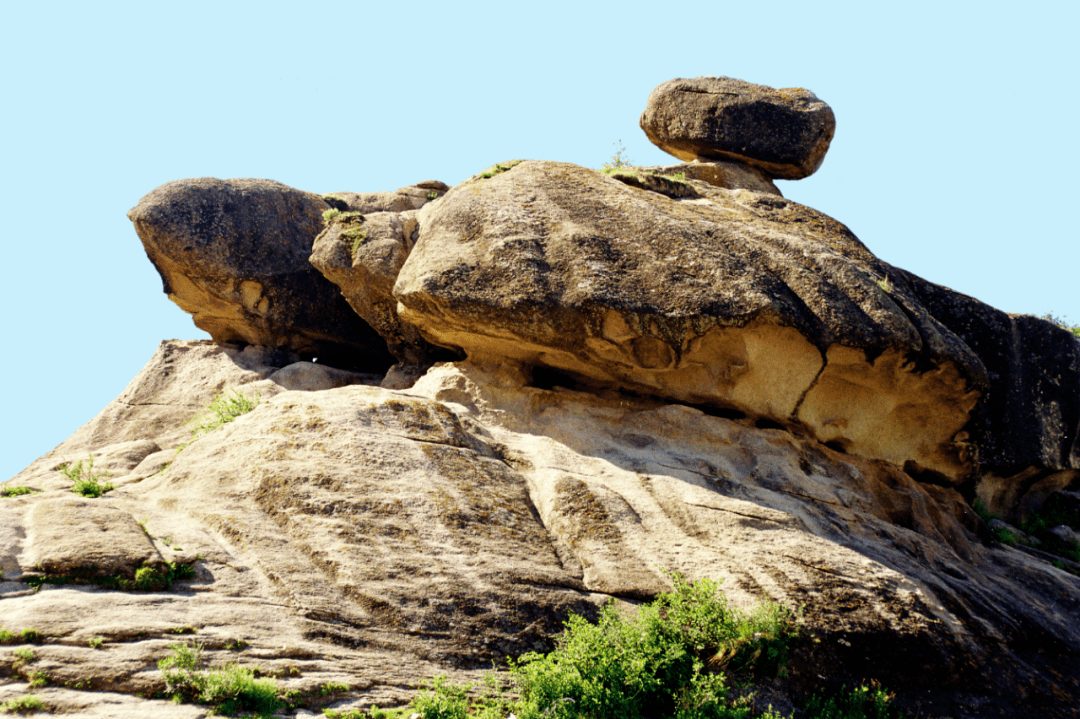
{"x": 784, "y": 132}
{"x": 79, "y": 534}
{"x": 234, "y": 255}
{"x": 735, "y": 299}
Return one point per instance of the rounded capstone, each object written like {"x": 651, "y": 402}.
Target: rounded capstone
{"x": 784, "y": 132}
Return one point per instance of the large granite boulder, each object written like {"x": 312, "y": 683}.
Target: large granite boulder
{"x": 234, "y": 255}
{"x": 784, "y": 132}
{"x": 734, "y": 300}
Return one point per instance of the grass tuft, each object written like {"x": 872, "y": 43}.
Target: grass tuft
{"x": 13, "y": 491}
{"x": 83, "y": 479}
{"x": 230, "y": 689}
{"x": 224, "y": 408}
{"x": 23, "y": 705}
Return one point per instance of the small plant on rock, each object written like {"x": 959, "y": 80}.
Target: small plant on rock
{"x": 23, "y": 705}
{"x": 231, "y": 689}
{"x": 224, "y": 408}
{"x": 83, "y": 479}
{"x": 619, "y": 159}
{"x": 13, "y": 491}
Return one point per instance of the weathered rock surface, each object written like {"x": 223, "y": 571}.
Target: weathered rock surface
{"x": 732, "y": 299}
{"x": 1028, "y": 421}
{"x": 785, "y": 132}
{"x": 376, "y": 538}
{"x": 234, "y": 255}
{"x": 728, "y": 175}
{"x": 362, "y": 255}
{"x": 412, "y": 197}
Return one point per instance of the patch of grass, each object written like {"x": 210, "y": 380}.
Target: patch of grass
{"x": 25, "y": 655}
{"x": 83, "y": 479}
{"x": 38, "y": 679}
{"x": 885, "y": 284}
{"x": 224, "y": 408}
{"x": 23, "y": 705}
{"x": 147, "y": 578}
{"x": 498, "y": 168}
{"x": 26, "y": 636}
{"x": 432, "y": 195}
{"x": 95, "y": 642}
{"x": 7, "y": 490}
{"x": 230, "y": 689}
{"x": 331, "y": 688}
{"x": 864, "y": 702}
{"x": 355, "y": 237}
{"x": 330, "y": 214}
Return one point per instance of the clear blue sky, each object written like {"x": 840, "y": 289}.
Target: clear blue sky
{"x": 955, "y": 154}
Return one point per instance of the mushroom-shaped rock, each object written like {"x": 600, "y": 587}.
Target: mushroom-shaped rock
{"x": 234, "y": 255}
{"x": 734, "y": 299}
{"x": 784, "y": 132}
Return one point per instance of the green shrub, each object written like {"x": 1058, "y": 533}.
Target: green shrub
{"x": 230, "y": 689}
{"x": 23, "y": 705}
{"x": 667, "y": 660}
{"x": 224, "y": 408}
{"x": 865, "y": 702}
{"x": 13, "y": 491}
{"x": 83, "y": 479}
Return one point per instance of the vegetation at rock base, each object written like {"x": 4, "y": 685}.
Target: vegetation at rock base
{"x": 1038, "y": 526}
{"x": 83, "y": 479}
{"x": 23, "y": 705}
{"x": 230, "y": 689}
{"x": 686, "y": 655}
{"x": 13, "y": 491}
{"x": 223, "y": 408}
{"x": 26, "y": 636}
{"x": 146, "y": 579}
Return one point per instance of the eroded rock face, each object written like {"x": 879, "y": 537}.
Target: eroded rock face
{"x": 1029, "y": 419}
{"x": 234, "y": 255}
{"x": 785, "y": 132}
{"x": 362, "y": 255}
{"x": 378, "y": 538}
{"x": 733, "y": 299}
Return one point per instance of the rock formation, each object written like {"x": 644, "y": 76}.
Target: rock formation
{"x": 785, "y": 133}
{"x": 659, "y": 369}
{"x": 234, "y": 255}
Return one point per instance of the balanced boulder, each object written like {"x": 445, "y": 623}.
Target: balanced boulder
{"x": 234, "y": 255}
{"x": 784, "y": 132}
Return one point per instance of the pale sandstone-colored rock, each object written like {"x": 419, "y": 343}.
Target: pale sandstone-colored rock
{"x": 412, "y": 197}
{"x": 784, "y": 132}
{"x": 379, "y": 538}
{"x": 76, "y": 533}
{"x": 734, "y": 299}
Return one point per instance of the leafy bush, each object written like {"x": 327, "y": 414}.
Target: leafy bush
{"x": 231, "y": 689}
{"x": 83, "y": 479}
{"x": 222, "y": 410}
{"x": 668, "y": 660}
{"x": 147, "y": 578}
